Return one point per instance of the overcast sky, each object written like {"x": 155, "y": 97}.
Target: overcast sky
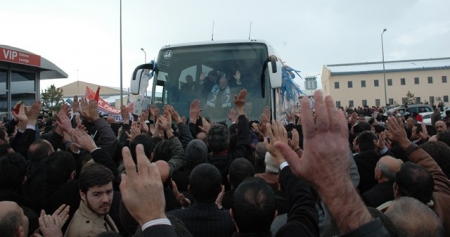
{"x": 82, "y": 36}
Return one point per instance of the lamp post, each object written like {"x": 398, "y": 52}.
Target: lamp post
{"x": 121, "y": 74}
{"x": 145, "y": 55}
{"x": 384, "y": 70}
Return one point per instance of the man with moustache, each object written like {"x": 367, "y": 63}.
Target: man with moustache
{"x": 96, "y": 192}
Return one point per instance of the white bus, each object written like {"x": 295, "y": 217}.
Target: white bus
{"x": 214, "y": 72}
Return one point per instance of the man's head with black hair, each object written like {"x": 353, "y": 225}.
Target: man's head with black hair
{"x": 59, "y": 168}
{"x": 146, "y": 141}
{"x": 240, "y": 169}
{"x": 366, "y": 141}
{"x": 218, "y": 138}
{"x": 254, "y": 206}
{"x": 12, "y": 171}
{"x": 413, "y": 180}
{"x": 205, "y": 183}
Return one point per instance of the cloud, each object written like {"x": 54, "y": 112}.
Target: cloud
{"x": 423, "y": 33}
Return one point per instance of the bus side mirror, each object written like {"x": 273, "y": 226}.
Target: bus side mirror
{"x": 139, "y": 80}
{"x": 274, "y": 66}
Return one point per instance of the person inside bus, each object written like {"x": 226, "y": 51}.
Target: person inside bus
{"x": 190, "y": 85}
{"x": 219, "y": 98}
{"x": 207, "y": 82}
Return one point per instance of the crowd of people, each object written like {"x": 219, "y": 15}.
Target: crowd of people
{"x": 325, "y": 173}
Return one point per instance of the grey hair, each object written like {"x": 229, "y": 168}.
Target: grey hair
{"x": 9, "y": 223}
{"x": 386, "y": 171}
{"x": 412, "y": 218}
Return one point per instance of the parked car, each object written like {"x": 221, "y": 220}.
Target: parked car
{"x": 411, "y": 109}
{"x": 426, "y": 117}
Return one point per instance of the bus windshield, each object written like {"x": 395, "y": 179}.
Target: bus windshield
{"x": 214, "y": 74}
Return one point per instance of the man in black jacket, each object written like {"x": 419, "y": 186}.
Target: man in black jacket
{"x": 218, "y": 139}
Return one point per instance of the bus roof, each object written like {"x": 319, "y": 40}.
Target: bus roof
{"x": 214, "y": 42}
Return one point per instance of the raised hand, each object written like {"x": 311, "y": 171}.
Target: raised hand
{"x": 239, "y": 101}
{"x": 206, "y": 126}
{"x": 424, "y": 133}
{"x": 325, "y": 162}
{"x": 326, "y": 150}
{"x": 237, "y": 76}
{"x": 381, "y": 142}
{"x": 194, "y": 111}
{"x": 184, "y": 202}
{"x": 33, "y": 112}
{"x": 142, "y": 188}
{"x": 85, "y": 108}
{"x": 63, "y": 121}
{"x": 396, "y": 132}
{"x": 142, "y": 121}
{"x": 219, "y": 198}
{"x": 263, "y": 120}
{"x": 93, "y": 110}
{"x": 175, "y": 116}
{"x": 65, "y": 109}
{"x": 76, "y": 104}
{"x": 21, "y": 116}
{"x": 276, "y": 133}
{"x": 163, "y": 123}
{"x": 125, "y": 115}
{"x": 82, "y": 140}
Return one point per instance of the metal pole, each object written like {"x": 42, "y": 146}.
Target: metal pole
{"x": 145, "y": 55}
{"x": 384, "y": 70}
{"x": 121, "y": 76}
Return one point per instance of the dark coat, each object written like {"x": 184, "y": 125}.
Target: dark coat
{"x": 379, "y": 194}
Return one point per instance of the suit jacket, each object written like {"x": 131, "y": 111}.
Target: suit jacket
{"x": 302, "y": 217}
{"x": 160, "y": 230}
{"x": 86, "y": 223}
{"x": 379, "y": 194}
{"x": 366, "y": 162}
{"x": 205, "y": 220}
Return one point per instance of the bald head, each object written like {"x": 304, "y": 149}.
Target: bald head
{"x": 440, "y": 126}
{"x": 13, "y": 221}
{"x": 386, "y": 168}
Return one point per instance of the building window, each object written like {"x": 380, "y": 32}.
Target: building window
{"x": 350, "y": 103}
{"x": 338, "y": 104}
{"x": 389, "y": 81}
{"x": 430, "y": 80}
{"x": 336, "y": 85}
{"x": 350, "y": 84}
{"x": 376, "y": 83}
{"x": 402, "y": 81}
{"x": 417, "y": 100}
{"x": 363, "y": 83}
{"x": 431, "y": 99}
{"x": 377, "y": 102}
{"x": 364, "y": 102}
{"x": 391, "y": 101}
{"x": 445, "y": 98}
{"x": 416, "y": 80}
{"x": 444, "y": 79}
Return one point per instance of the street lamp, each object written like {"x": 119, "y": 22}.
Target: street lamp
{"x": 384, "y": 70}
{"x": 121, "y": 74}
{"x": 145, "y": 55}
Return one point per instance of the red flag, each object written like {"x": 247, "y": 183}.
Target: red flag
{"x": 97, "y": 94}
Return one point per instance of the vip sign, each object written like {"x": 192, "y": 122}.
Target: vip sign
{"x": 15, "y": 56}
